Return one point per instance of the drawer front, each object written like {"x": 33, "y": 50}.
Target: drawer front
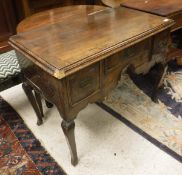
{"x": 112, "y": 62}
{"x": 139, "y": 53}
{"x": 84, "y": 83}
{"x": 136, "y": 55}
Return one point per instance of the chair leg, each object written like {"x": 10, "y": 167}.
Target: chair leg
{"x": 161, "y": 69}
{"x": 39, "y": 102}
{"x": 35, "y": 101}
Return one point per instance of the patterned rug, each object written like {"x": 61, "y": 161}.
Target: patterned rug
{"x": 20, "y": 152}
{"x": 160, "y": 123}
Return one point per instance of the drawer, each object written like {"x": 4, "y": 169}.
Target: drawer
{"x": 84, "y": 83}
{"x": 136, "y": 55}
{"x": 139, "y": 53}
{"x": 112, "y": 62}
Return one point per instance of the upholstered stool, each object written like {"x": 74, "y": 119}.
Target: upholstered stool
{"x": 9, "y": 70}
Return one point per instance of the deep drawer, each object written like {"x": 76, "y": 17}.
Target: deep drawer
{"x": 84, "y": 83}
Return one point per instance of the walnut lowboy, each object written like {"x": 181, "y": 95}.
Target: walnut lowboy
{"x": 75, "y": 55}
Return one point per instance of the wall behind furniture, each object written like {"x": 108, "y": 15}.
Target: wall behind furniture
{"x": 7, "y": 23}
{"x": 27, "y": 7}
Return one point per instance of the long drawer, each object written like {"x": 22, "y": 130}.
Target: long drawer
{"x": 136, "y": 55}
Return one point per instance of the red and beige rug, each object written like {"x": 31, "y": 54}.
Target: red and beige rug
{"x": 20, "y": 152}
{"x": 104, "y": 143}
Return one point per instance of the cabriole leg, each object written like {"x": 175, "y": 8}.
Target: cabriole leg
{"x": 162, "y": 69}
{"x": 68, "y": 129}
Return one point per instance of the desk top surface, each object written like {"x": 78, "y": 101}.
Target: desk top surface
{"x": 74, "y": 37}
{"x": 165, "y": 8}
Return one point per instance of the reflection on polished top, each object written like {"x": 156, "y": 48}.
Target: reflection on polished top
{"x": 81, "y": 35}
{"x": 159, "y": 7}
{"x": 54, "y": 16}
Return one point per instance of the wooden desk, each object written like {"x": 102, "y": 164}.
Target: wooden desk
{"x": 76, "y": 55}
{"x": 171, "y": 9}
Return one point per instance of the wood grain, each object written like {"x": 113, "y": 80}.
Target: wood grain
{"x": 98, "y": 32}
